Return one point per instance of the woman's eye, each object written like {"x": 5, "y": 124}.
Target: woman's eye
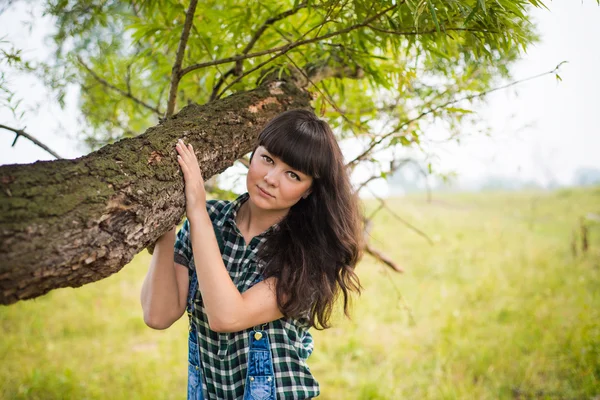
{"x": 294, "y": 176}
{"x": 267, "y": 159}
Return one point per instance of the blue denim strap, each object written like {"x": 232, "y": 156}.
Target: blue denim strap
{"x": 260, "y": 376}
{"x": 194, "y": 299}
{"x": 194, "y": 386}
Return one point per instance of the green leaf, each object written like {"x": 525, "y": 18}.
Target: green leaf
{"x": 558, "y": 78}
{"x": 392, "y": 23}
{"x": 471, "y": 15}
{"x": 459, "y": 110}
{"x": 415, "y": 137}
{"x": 481, "y": 3}
{"x": 137, "y": 50}
{"x": 433, "y": 15}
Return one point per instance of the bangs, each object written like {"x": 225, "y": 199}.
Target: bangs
{"x": 299, "y": 142}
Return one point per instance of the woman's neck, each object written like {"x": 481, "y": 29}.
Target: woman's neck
{"x": 253, "y": 220}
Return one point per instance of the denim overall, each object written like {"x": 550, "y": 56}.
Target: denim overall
{"x": 260, "y": 377}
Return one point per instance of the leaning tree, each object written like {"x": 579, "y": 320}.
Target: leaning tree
{"x": 153, "y": 71}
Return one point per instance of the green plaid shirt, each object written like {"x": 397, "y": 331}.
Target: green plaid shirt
{"x": 224, "y": 355}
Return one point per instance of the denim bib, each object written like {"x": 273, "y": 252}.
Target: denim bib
{"x": 260, "y": 378}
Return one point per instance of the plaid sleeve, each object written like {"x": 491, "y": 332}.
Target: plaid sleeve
{"x": 183, "y": 246}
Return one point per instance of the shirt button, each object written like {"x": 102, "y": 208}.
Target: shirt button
{"x": 253, "y": 246}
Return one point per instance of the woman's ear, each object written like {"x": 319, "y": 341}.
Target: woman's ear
{"x": 307, "y": 193}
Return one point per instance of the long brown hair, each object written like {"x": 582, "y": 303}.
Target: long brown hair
{"x": 316, "y": 246}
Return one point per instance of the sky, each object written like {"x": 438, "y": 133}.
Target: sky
{"x": 542, "y": 130}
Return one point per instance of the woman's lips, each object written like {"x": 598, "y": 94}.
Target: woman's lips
{"x": 263, "y": 192}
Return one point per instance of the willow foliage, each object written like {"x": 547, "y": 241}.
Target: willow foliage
{"x": 380, "y": 70}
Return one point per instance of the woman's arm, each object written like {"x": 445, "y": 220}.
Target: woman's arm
{"x": 164, "y": 291}
{"x": 227, "y": 309}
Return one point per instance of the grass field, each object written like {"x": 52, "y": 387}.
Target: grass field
{"x": 497, "y": 308}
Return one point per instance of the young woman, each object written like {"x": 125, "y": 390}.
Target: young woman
{"x": 256, "y": 273}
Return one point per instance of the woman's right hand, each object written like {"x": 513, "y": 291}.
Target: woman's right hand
{"x": 195, "y": 194}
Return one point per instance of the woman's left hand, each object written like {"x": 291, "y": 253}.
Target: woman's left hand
{"x": 195, "y": 195}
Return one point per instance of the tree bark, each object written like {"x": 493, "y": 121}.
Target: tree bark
{"x": 66, "y": 223}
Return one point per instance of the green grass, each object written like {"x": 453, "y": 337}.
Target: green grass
{"x": 497, "y": 307}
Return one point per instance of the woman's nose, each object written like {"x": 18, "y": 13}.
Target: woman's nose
{"x": 271, "y": 179}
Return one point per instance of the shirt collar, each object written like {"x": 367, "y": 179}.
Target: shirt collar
{"x": 234, "y": 206}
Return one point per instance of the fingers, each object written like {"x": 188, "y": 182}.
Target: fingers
{"x": 182, "y": 156}
{"x": 186, "y": 157}
{"x": 180, "y": 146}
{"x": 186, "y": 150}
{"x": 183, "y": 165}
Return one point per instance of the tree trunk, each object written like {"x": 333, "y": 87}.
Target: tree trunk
{"x": 71, "y": 222}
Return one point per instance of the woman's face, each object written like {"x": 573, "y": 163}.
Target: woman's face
{"x": 274, "y": 185}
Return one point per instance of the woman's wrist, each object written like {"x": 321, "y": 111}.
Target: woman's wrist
{"x": 199, "y": 217}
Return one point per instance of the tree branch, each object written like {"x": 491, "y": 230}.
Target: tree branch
{"x": 327, "y": 15}
{"x": 429, "y": 32}
{"x": 323, "y": 73}
{"x": 284, "y": 49}
{"x": 239, "y": 78}
{"x": 270, "y": 22}
{"x": 238, "y": 66}
{"x": 21, "y": 132}
{"x": 176, "y": 70}
{"x": 296, "y": 44}
{"x": 70, "y": 222}
{"x": 399, "y": 218}
{"x": 121, "y": 91}
{"x": 375, "y": 253}
{"x": 379, "y": 255}
{"x": 394, "y": 168}
{"x": 450, "y": 102}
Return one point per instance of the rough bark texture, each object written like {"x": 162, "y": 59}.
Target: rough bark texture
{"x": 71, "y": 222}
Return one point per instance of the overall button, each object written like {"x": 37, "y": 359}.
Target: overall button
{"x": 258, "y": 336}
